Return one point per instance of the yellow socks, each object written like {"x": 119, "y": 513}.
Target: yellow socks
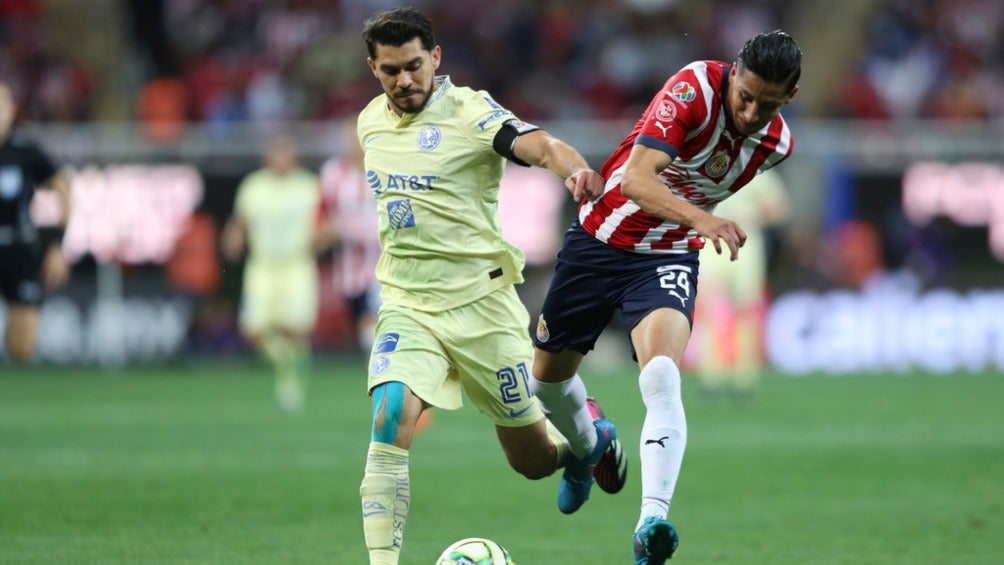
{"x": 386, "y": 497}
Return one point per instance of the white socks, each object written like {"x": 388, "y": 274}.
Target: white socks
{"x": 565, "y": 406}
{"x": 663, "y": 436}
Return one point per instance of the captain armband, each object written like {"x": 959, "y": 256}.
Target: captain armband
{"x": 505, "y": 139}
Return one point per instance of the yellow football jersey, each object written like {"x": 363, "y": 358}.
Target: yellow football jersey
{"x": 279, "y": 212}
{"x": 436, "y": 179}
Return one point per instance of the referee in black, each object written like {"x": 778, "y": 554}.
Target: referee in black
{"x": 31, "y": 261}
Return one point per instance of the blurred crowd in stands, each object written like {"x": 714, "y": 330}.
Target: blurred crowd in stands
{"x": 225, "y": 61}
{"x": 48, "y": 82}
{"x": 931, "y": 58}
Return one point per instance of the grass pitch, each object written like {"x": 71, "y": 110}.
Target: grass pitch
{"x": 193, "y": 464}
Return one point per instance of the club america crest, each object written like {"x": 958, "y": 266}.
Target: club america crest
{"x": 542, "y": 334}
{"x": 718, "y": 164}
{"x": 379, "y": 364}
{"x": 429, "y": 138}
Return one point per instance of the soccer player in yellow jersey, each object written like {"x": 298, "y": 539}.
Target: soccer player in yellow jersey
{"x": 276, "y": 217}
{"x": 730, "y": 311}
{"x": 451, "y": 318}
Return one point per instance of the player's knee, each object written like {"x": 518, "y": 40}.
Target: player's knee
{"x": 388, "y": 406}
{"x": 660, "y": 378}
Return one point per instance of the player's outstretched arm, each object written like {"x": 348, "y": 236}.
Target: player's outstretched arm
{"x": 641, "y": 184}
{"x": 541, "y": 149}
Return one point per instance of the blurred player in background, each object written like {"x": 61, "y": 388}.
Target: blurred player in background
{"x": 704, "y": 136}
{"x": 451, "y": 318}
{"x": 276, "y": 218}
{"x": 352, "y": 223}
{"x": 31, "y": 260}
{"x": 729, "y": 317}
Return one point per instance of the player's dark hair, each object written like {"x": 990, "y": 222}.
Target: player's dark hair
{"x": 396, "y": 27}
{"x": 773, "y": 56}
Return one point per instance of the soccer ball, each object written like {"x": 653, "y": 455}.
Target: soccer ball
{"x": 475, "y": 551}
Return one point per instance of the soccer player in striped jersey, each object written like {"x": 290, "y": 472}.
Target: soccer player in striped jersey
{"x": 710, "y": 129}
{"x": 352, "y": 221}
{"x": 451, "y": 319}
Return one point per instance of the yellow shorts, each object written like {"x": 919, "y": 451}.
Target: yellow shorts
{"x": 483, "y": 348}
{"x": 279, "y": 296}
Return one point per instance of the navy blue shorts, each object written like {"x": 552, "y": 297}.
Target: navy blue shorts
{"x": 592, "y": 280}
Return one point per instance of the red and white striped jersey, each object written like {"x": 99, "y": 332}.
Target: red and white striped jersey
{"x": 351, "y": 208}
{"x": 711, "y": 161}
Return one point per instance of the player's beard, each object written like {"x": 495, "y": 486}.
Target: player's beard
{"x": 411, "y": 104}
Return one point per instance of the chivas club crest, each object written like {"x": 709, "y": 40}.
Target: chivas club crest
{"x": 718, "y": 164}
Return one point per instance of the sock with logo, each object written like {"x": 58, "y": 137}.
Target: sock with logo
{"x": 663, "y": 435}
{"x": 565, "y": 406}
{"x": 386, "y": 497}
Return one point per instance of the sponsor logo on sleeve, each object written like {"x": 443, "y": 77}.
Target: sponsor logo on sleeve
{"x": 663, "y": 128}
{"x": 520, "y": 126}
{"x": 683, "y": 92}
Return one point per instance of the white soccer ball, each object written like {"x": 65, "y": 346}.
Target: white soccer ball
{"x": 475, "y": 551}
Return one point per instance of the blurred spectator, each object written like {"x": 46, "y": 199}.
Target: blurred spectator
{"x": 48, "y": 83}
{"x": 162, "y": 109}
{"x": 930, "y": 58}
{"x": 855, "y": 252}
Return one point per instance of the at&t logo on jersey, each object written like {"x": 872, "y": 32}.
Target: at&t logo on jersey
{"x": 374, "y": 180}
{"x": 399, "y": 182}
{"x": 429, "y": 138}
{"x": 683, "y": 92}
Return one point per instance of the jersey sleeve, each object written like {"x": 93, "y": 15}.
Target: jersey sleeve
{"x": 680, "y": 107}
{"x": 485, "y": 117}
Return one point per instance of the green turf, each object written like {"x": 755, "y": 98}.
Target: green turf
{"x": 192, "y": 464}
